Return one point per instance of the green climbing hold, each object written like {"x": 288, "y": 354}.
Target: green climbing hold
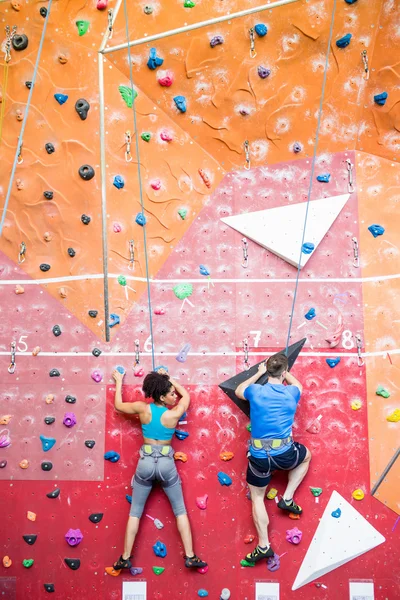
{"x": 183, "y": 290}
{"x": 158, "y": 570}
{"x": 316, "y": 491}
{"x": 182, "y": 212}
{"x": 127, "y": 96}
{"x": 248, "y": 427}
{"x": 27, "y": 562}
{"x": 82, "y": 26}
{"x": 146, "y": 136}
{"x": 189, "y": 4}
{"x": 244, "y": 563}
{"x": 381, "y": 391}
{"x": 122, "y": 280}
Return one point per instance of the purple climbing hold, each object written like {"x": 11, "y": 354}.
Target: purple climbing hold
{"x": 141, "y": 219}
{"x": 136, "y": 571}
{"x": 216, "y": 41}
{"x": 69, "y": 419}
{"x": 344, "y": 41}
{"x": 3, "y": 464}
{"x": 97, "y": 376}
{"x": 74, "y": 537}
{"x": 263, "y": 72}
{"x": 297, "y": 147}
{"x": 261, "y": 29}
{"x": 380, "y": 99}
{"x": 273, "y": 563}
{"x": 294, "y": 535}
{"x": 182, "y": 356}
{"x": 376, "y": 230}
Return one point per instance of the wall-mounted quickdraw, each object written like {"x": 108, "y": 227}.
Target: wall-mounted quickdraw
{"x": 245, "y": 261}
{"x": 22, "y": 252}
{"x": 11, "y": 368}
{"x": 7, "y": 46}
{"x": 247, "y": 154}
{"x": 131, "y": 265}
{"x": 246, "y": 353}
{"x": 20, "y": 160}
{"x": 359, "y": 348}
{"x": 7, "y": 57}
{"x": 253, "y": 52}
{"x": 137, "y": 352}
{"x": 128, "y": 141}
{"x": 364, "y": 57}
{"x": 110, "y": 23}
{"x": 350, "y": 186}
{"x": 356, "y": 259}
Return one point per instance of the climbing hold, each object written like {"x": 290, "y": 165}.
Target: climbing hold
{"x": 90, "y": 444}
{"x": 28, "y": 84}
{"x": 128, "y": 95}
{"x": 249, "y": 538}
{"x": 324, "y": 178}
{"x": 62, "y": 59}
{"x": 376, "y": 230}
{"x": 180, "y": 456}
{"x": 19, "y": 115}
{"x": 54, "y": 494}
{"x": 201, "y": 502}
{"x": 31, "y": 515}
{"x": 332, "y": 362}
{"x": 159, "y": 311}
{"x": 380, "y": 99}
{"x": 154, "y": 60}
{"x": 56, "y": 330}
{"x": 189, "y": 4}
{"x": 294, "y": 535}
{"x": 46, "y": 466}
{"x": 148, "y": 9}
{"x": 180, "y": 434}
{"x": 119, "y": 182}
{"x": 49, "y": 587}
{"x": 49, "y": 148}
{"x": 297, "y": 147}
{"x": 47, "y": 443}
{"x": 16, "y": 5}
{"x": 96, "y": 352}
{"x": 307, "y": 248}
{"x": 356, "y": 404}
{"x": 155, "y": 184}
{"x": 128, "y": 498}
{"x": 69, "y": 419}
{"x": 146, "y": 136}
{"x": 48, "y": 195}
{"x": 180, "y": 103}
{"x": 54, "y": 373}
{"x": 182, "y": 212}
{"x": 85, "y": 219}
{"x": 44, "y": 267}
{"x": 165, "y": 79}
{"x": 204, "y": 271}
{"x": 136, "y": 571}
{"x": 316, "y": 491}
{"x": 92, "y": 314}
{"x": 74, "y": 537}
{"x": 24, "y": 464}
{"x": 19, "y": 289}
{"x": 205, "y": 178}
{"x": 114, "y": 320}
{"x": 86, "y": 172}
{"x": 381, "y": 391}
{"x": 217, "y": 40}
{"x": 111, "y": 571}
{"x": 244, "y": 563}
{"x": 358, "y": 494}
{"x": 112, "y": 456}
{"x": 7, "y": 562}
{"x": 350, "y": 1}
{"x": 183, "y": 290}
{"x": 224, "y": 479}
{"x": 20, "y": 42}
{"x": 160, "y": 549}
{"x": 310, "y": 314}
{"x": 260, "y": 29}
{"x": 82, "y": 26}
{"x": 30, "y": 539}
{"x": 141, "y": 219}
{"x": 273, "y": 563}
{"x": 101, "y": 4}
{"x": 47, "y": 238}
{"x": 120, "y": 369}
{"x": 19, "y": 184}
{"x": 72, "y": 563}
{"x": 394, "y": 417}
{"x": 70, "y": 399}
{"x": 272, "y": 492}
{"x": 336, "y": 513}
{"x": 263, "y": 72}
{"x": 82, "y": 107}
{"x": 183, "y": 353}
{"x": 3, "y": 464}
{"x": 248, "y": 426}
{"x": 96, "y": 517}
{"x": 43, "y": 11}
{"x": 27, "y": 562}
{"x": 5, "y": 419}
{"x": 344, "y": 41}
{"x": 226, "y": 455}
{"x": 202, "y": 593}
{"x": 97, "y": 376}
{"x": 5, "y": 440}
{"x": 158, "y": 570}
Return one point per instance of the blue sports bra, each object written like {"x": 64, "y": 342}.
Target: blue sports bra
{"x": 155, "y": 430}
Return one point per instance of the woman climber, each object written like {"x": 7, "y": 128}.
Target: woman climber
{"x": 156, "y": 462}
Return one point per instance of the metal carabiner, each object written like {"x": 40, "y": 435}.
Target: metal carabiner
{"x": 137, "y": 352}
{"x": 128, "y": 140}
{"x": 245, "y": 261}
{"x": 20, "y": 160}
{"x": 11, "y": 368}
{"x": 350, "y": 185}
{"x": 247, "y": 154}
{"x": 131, "y": 265}
{"x": 359, "y": 348}
{"x": 22, "y": 252}
{"x": 253, "y": 52}
{"x": 364, "y": 57}
{"x": 356, "y": 259}
{"x": 246, "y": 353}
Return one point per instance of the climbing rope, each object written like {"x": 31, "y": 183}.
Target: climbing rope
{"x": 312, "y": 170}
{"x": 21, "y": 135}
{"x": 140, "y": 184}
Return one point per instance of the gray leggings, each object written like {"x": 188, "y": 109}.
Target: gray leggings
{"x": 153, "y": 466}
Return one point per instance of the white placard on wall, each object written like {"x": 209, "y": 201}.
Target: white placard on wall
{"x": 361, "y": 590}
{"x": 267, "y": 590}
{"x": 134, "y": 590}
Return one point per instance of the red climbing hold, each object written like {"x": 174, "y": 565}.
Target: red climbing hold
{"x": 249, "y": 538}
{"x": 101, "y": 4}
{"x": 205, "y": 177}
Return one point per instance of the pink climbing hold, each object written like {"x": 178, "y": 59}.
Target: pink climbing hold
{"x": 97, "y": 376}
{"x": 138, "y": 371}
{"x": 117, "y": 228}
{"x": 203, "y": 570}
{"x": 166, "y": 78}
{"x": 155, "y": 184}
{"x": 201, "y": 501}
{"x": 159, "y": 311}
{"x": 294, "y": 535}
{"x": 166, "y": 136}
{"x": 101, "y": 4}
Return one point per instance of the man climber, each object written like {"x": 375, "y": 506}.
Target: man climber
{"x": 272, "y": 410}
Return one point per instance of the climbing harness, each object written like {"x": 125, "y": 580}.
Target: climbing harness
{"x": 137, "y": 352}
{"x": 359, "y": 350}
{"x": 253, "y": 52}
{"x": 246, "y": 354}
{"x": 356, "y": 260}
{"x": 110, "y": 23}
{"x": 21, "y": 254}
{"x": 11, "y": 368}
{"x": 10, "y": 33}
{"x": 131, "y": 265}
{"x": 350, "y": 186}
{"x": 156, "y": 452}
{"x": 247, "y": 155}
{"x": 364, "y": 57}
{"x": 272, "y": 464}
{"x": 128, "y": 140}
{"x": 270, "y": 444}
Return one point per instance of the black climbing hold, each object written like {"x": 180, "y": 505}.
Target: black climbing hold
{"x": 71, "y": 252}
{"x": 3, "y": 464}
{"x": 90, "y": 443}
{"x": 96, "y": 352}
{"x": 57, "y": 330}
{"x": 82, "y": 107}
{"x": 43, "y": 13}
{"x": 46, "y": 465}
{"x": 96, "y": 517}
{"x": 48, "y": 195}
{"x": 49, "y": 587}
{"x": 73, "y": 563}
{"x": 54, "y": 373}
{"x": 70, "y": 399}
{"x": 45, "y": 267}
{"x": 86, "y": 172}
{"x": 93, "y": 313}
{"x": 20, "y": 41}
{"x": 49, "y": 148}
{"x": 49, "y": 420}
{"x": 30, "y": 539}
{"x": 54, "y": 494}
{"x": 28, "y": 84}
{"x": 85, "y": 219}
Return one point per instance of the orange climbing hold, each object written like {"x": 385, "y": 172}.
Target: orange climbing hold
{"x": 7, "y": 562}
{"x": 205, "y": 178}
{"x": 19, "y": 289}
{"x": 226, "y": 456}
{"x": 31, "y": 515}
{"x": 180, "y": 456}
{"x": 63, "y": 292}
{"x": 36, "y": 350}
{"x": 24, "y": 464}
{"x": 5, "y": 419}
{"x": 293, "y": 516}
{"x": 49, "y": 399}
{"x": 112, "y": 571}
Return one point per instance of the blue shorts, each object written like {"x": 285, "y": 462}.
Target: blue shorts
{"x": 259, "y": 470}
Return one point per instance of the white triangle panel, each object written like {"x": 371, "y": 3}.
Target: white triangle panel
{"x": 336, "y": 541}
{"x": 280, "y": 229}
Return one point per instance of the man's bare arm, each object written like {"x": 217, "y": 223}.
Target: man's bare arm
{"x": 291, "y": 380}
{"x": 241, "y": 388}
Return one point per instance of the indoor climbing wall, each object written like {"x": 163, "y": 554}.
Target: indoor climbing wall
{"x": 153, "y": 211}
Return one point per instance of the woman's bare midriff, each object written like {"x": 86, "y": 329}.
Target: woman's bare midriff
{"x": 157, "y": 442}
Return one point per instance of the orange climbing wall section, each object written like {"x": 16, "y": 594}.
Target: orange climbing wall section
{"x": 227, "y": 103}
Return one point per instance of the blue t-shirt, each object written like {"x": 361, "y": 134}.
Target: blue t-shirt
{"x": 272, "y": 410}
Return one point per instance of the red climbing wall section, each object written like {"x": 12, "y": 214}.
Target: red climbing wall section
{"x": 191, "y": 174}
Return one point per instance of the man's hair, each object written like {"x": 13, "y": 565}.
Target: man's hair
{"x": 276, "y": 365}
{"x": 156, "y": 385}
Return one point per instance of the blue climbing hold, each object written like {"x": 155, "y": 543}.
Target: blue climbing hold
{"x": 324, "y": 178}
{"x": 114, "y": 320}
{"x": 202, "y": 593}
{"x": 332, "y": 362}
{"x": 141, "y": 219}
{"x": 180, "y": 434}
{"x": 310, "y": 314}
{"x": 161, "y": 367}
{"x": 381, "y": 98}
{"x": 350, "y": 1}
{"x": 47, "y": 443}
{"x": 307, "y": 248}
{"x": 344, "y": 41}
{"x": 224, "y": 479}
{"x": 61, "y": 98}
{"x": 154, "y": 60}
{"x": 376, "y": 230}
{"x": 120, "y": 369}
{"x": 129, "y": 498}
{"x": 160, "y": 549}
{"x": 180, "y": 102}
{"x": 336, "y": 513}
{"x": 261, "y": 29}
{"x": 119, "y": 182}
{"x": 112, "y": 456}
{"x": 204, "y": 271}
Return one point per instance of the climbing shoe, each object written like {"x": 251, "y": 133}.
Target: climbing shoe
{"x": 290, "y": 506}
{"x": 122, "y": 563}
{"x": 259, "y": 554}
{"x": 194, "y": 562}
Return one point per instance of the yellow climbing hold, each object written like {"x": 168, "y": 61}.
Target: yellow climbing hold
{"x": 394, "y": 417}
{"x": 272, "y": 493}
{"x": 356, "y": 404}
{"x": 358, "y": 494}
